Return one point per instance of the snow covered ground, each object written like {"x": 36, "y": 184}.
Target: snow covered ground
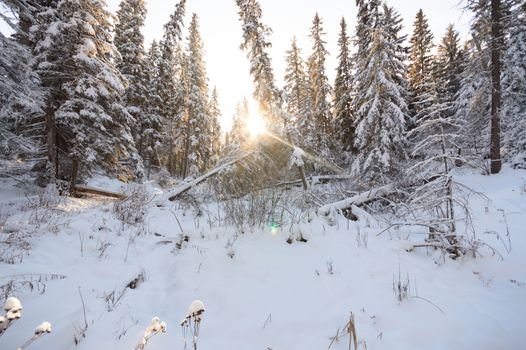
{"x": 259, "y": 291}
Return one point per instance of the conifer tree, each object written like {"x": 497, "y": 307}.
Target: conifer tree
{"x": 172, "y": 89}
{"x": 381, "y": 108}
{"x": 296, "y": 91}
{"x": 215, "y": 128}
{"x": 319, "y": 124}
{"x": 198, "y": 129}
{"x": 152, "y": 135}
{"x": 21, "y": 95}
{"x": 84, "y": 110}
{"x": 237, "y": 138}
{"x": 256, "y": 43}
{"x": 131, "y": 63}
{"x": 514, "y": 88}
{"x": 449, "y": 62}
{"x": 421, "y": 64}
{"x": 343, "y": 92}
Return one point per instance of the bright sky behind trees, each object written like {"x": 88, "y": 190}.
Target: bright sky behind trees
{"x": 221, "y": 32}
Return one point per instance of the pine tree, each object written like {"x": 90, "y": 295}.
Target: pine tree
{"x": 319, "y": 121}
{"x": 172, "y": 89}
{"x": 449, "y": 62}
{"x": 380, "y": 107}
{"x": 85, "y": 116}
{"x": 296, "y": 91}
{"x": 131, "y": 63}
{"x": 421, "y": 64}
{"x": 215, "y": 128}
{"x": 198, "y": 125}
{"x": 152, "y": 135}
{"x": 514, "y": 89}
{"x": 343, "y": 85}
{"x": 21, "y": 95}
{"x": 256, "y": 43}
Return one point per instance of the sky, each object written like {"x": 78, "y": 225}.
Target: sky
{"x": 227, "y": 66}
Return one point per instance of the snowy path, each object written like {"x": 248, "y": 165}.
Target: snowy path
{"x": 272, "y": 295}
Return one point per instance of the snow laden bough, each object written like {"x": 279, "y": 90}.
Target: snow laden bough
{"x": 13, "y": 309}
{"x": 192, "y": 322}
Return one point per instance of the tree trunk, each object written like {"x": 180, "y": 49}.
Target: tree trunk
{"x": 74, "y": 173}
{"x": 496, "y": 47}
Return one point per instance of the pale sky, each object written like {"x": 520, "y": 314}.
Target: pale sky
{"x": 228, "y": 67}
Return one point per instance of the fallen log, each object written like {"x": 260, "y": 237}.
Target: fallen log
{"x": 97, "y": 191}
{"x": 176, "y": 192}
{"x": 360, "y": 198}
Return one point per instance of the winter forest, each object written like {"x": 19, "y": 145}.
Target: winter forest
{"x": 377, "y": 204}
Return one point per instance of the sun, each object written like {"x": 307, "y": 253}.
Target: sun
{"x": 255, "y": 125}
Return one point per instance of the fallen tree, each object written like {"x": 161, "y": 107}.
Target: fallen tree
{"x": 174, "y": 193}
{"x": 96, "y": 191}
{"x": 360, "y": 198}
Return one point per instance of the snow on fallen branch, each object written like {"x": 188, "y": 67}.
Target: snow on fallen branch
{"x": 176, "y": 192}
{"x": 358, "y": 199}
{"x": 97, "y": 191}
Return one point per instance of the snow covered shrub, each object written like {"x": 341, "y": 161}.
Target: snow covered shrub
{"x": 154, "y": 328}
{"x": 13, "y": 309}
{"x": 257, "y": 209}
{"x": 192, "y": 322}
{"x": 133, "y": 208}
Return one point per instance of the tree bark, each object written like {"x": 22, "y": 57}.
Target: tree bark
{"x": 496, "y": 47}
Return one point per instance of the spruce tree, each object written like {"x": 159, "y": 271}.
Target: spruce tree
{"x": 380, "y": 106}
{"x": 198, "y": 129}
{"x": 320, "y": 119}
{"x": 256, "y": 43}
{"x": 215, "y": 128}
{"x": 514, "y": 89}
{"x": 421, "y": 64}
{"x": 296, "y": 91}
{"x": 86, "y": 119}
{"x": 343, "y": 85}
{"x": 131, "y": 63}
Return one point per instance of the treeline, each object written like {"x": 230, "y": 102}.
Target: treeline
{"x": 397, "y": 102}
{"x": 77, "y": 89}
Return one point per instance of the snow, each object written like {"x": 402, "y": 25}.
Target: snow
{"x": 12, "y": 304}
{"x": 269, "y": 294}
{"x": 44, "y": 327}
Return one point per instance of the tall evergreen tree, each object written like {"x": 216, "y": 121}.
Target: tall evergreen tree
{"x": 85, "y": 116}
{"x": 197, "y": 117}
{"x": 256, "y": 43}
{"x": 381, "y": 109}
{"x": 343, "y": 85}
{"x": 318, "y": 126}
{"x": 152, "y": 135}
{"x": 215, "y": 128}
{"x": 296, "y": 91}
{"x": 514, "y": 88}
{"x": 449, "y": 62}
{"x": 171, "y": 91}
{"x": 421, "y": 64}
{"x": 131, "y": 63}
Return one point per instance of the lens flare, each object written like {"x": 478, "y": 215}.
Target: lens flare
{"x": 255, "y": 125}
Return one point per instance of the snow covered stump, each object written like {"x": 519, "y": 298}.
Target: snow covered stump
{"x": 13, "y": 309}
{"x": 42, "y": 329}
{"x": 154, "y": 328}
{"x": 192, "y": 321}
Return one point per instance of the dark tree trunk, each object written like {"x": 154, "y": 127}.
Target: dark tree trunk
{"x": 496, "y": 47}
{"x": 51, "y": 141}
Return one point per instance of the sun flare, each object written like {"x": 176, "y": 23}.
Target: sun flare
{"x": 255, "y": 125}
